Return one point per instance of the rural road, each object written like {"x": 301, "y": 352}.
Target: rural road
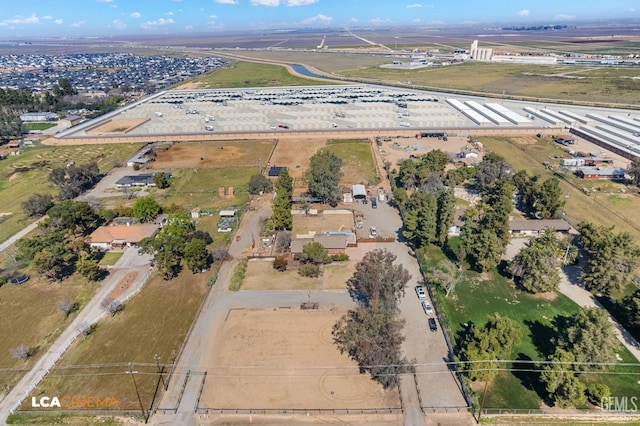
{"x": 570, "y": 286}
{"x": 24, "y": 231}
{"x": 90, "y": 314}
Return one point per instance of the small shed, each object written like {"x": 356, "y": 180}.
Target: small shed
{"x": 195, "y": 213}
{"x": 227, "y": 213}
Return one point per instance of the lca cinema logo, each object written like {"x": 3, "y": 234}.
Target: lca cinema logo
{"x": 71, "y": 402}
{"x": 620, "y": 404}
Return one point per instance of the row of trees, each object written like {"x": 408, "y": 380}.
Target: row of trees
{"x": 281, "y": 216}
{"x": 538, "y": 198}
{"x": 372, "y": 332}
{"x": 611, "y": 259}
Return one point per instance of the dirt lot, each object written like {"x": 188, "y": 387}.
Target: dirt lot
{"x": 214, "y": 154}
{"x": 399, "y": 149}
{"x": 117, "y": 125}
{"x": 260, "y": 366}
{"x": 302, "y": 224}
{"x": 295, "y": 153}
{"x": 261, "y": 276}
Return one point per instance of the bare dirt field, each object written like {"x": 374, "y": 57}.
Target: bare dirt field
{"x": 261, "y": 276}
{"x": 117, "y": 125}
{"x": 262, "y": 366}
{"x": 295, "y": 153}
{"x": 399, "y": 149}
{"x": 335, "y": 275}
{"x": 303, "y": 224}
{"x": 214, "y": 154}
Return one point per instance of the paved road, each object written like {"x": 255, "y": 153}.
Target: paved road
{"x": 90, "y": 314}
{"x": 11, "y": 241}
{"x": 571, "y": 286}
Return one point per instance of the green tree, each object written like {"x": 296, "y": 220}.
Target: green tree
{"x": 377, "y": 281}
{"x": 259, "y": 183}
{"x": 589, "y": 335}
{"x": 634, "y": 171}
{"x": 196, "y": 255}
{"x": 550, "y": 198}
{"x": 281, "y": 207}
{"x": 48, "y": 264}
{"x": 314, "y": 253}
{"x": 88, "y": 268}
{"x": 372, "y": 336}
{"x": 611, "y": 261}
{"x": 145, "y": 209}
{"x": 537, "y": 268}
{"x": 561, "y": 382}
{"x": 72, "y": 217}
{"x": 493, "y": 341}
{"x": 160, "y": 180}
{"x": 323, "y": 177}
{"x": 445, "y": 215}
{"x": 169, "y": 244}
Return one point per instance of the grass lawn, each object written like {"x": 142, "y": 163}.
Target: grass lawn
{"x": 336, "y": 274}
{"x": 199, "y": 187}
{"x": 481, "y": 297}
{"x": 250, "y": 74}
{"x": 529, "y": 153}
{"x": 358, "y": 164}
{"x": 110, "y": 258}
{"x": 38, "y": 126}
{"x": 153, "y": 322}
{"x": 22, "y": 176}
{"x": 29, "y": 315}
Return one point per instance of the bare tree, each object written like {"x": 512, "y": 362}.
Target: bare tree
{"x": 20, "y": 352}
{"x": 66, "y": 308}
{"x": 86, "y": 329}
{"x": 284, "y": 241}
{"x": 111, "y": 305}
{"x": 219, "y": 253}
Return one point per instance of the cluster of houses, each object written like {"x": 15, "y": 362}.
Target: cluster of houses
{"x": 593, "y": 167}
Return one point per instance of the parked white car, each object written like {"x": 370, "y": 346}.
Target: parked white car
{"x": 420, "y": 292}
{"x": 427, "y": 308}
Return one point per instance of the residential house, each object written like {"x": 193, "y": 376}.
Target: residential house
{"x": 121, "y": 236}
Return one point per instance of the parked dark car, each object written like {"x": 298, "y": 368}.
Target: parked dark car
{"x": 374, "y": 203}
{"x": 433, "y": 326}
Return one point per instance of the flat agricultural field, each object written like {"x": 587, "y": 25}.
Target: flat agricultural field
{"x": 214, "y": 154}
{"x": 155, "y": 321}
{"x": 568, "y": 83}
{"x": 23, "y": 175}
{"x": 261, "y": 366}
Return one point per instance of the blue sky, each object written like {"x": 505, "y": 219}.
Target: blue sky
{"x": 28, "y": 18}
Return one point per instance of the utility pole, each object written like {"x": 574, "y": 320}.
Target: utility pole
{"x": 484, "y": 392}
{"x": 156, "y": 358}
{"x": 135, "y": 385}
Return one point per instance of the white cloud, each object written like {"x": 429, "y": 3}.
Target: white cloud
{"x": 136, "y": 15}
{"x": 563, "y": 17}
{"x": 319, "y": 19}
{"x": 47, "y": 17}
{"x": 104, "y": 1}
{"x": 213, "y": 17}
{"x": 276, "y": 3}
{"x": 413, "y": 6}
{"x": 33, "y": 19}
{"x": 77, "y": 24}
{"x": 225, "y": 1}
{"x": 416, "y": 21}
{"x": 118, "y": 24}
{"x": 523, "y": 12}
{"x": 169, "y": 13}
{"x": 353, "y": 20}
{"x": 157, "y": 23}
{"x": 379, "y": 21}
{"x": 58, "y": 21}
